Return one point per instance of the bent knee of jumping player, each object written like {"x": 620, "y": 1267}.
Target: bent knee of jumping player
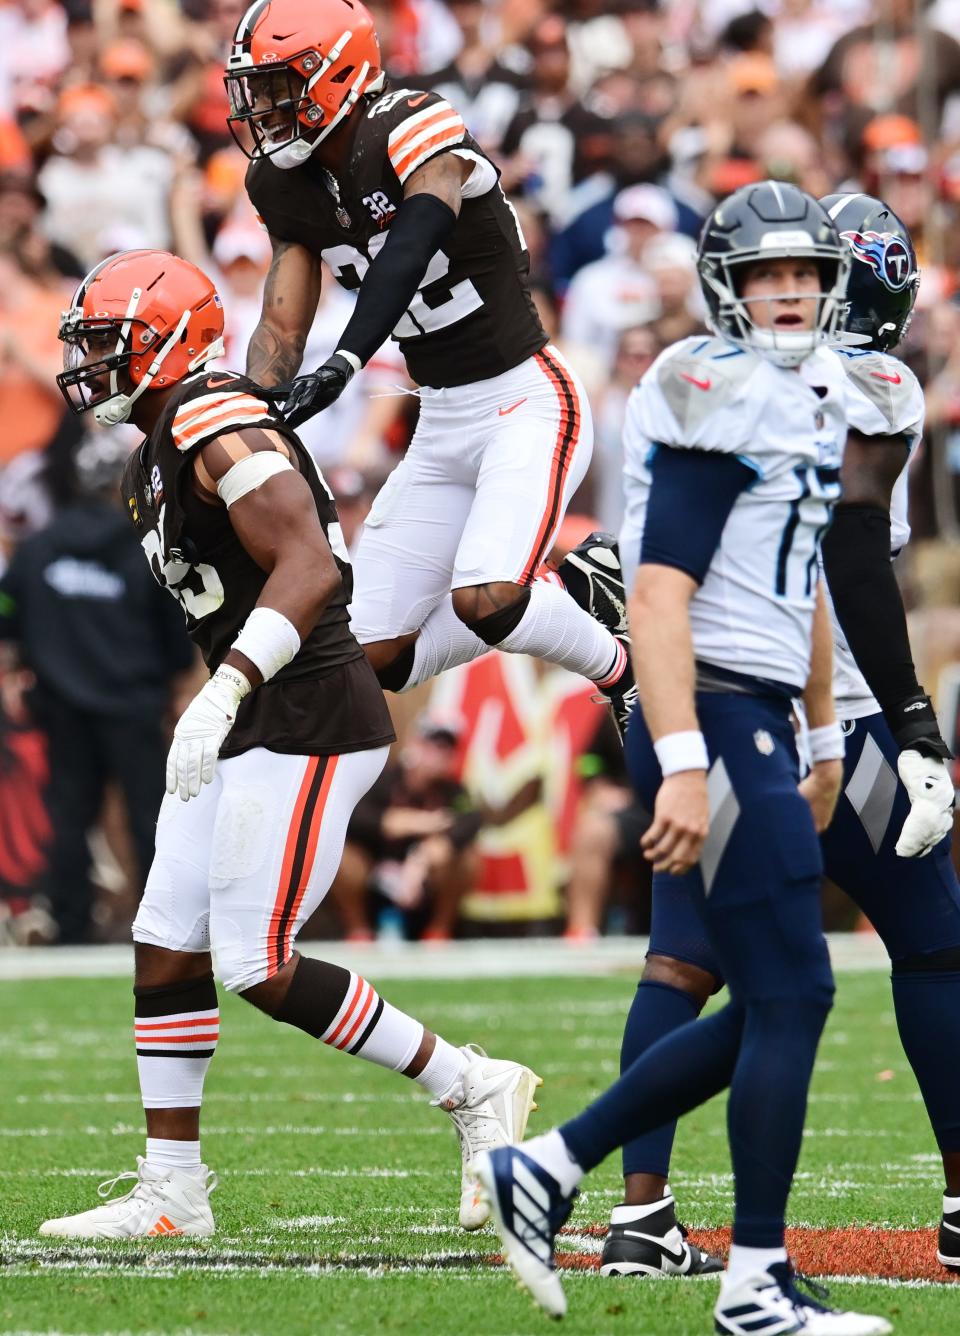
{"x": 699, "y": 984}
{"x": 492, "y": 610}
{"x": 392, "y": 660}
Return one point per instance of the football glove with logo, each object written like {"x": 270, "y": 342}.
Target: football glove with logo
{"x": 200, "y": 732}
{"x": 930, "y": 790}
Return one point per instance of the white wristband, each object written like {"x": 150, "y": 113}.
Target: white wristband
{"x": 681, "y": 751}
{"x": 826, "y": 743}
{"x": 269, "y": 640}
{"x": 352, "y": 358}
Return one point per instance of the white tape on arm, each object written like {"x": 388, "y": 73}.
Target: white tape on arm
{"x": 269, "y": 640}
{"x": 250, "y": 473}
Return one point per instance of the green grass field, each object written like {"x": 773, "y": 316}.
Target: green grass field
{"x": 338, "y": 1182}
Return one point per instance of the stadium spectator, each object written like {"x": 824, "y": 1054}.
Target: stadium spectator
{"x": 618, "y": 291}
{"x": 105, "y": 644}
{"x": 409, "y": 841}
{"x": 482, "y": 82}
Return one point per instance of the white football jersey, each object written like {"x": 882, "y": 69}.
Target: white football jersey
{"x": 753, "y": 612}
{"x": 883, "y": 398}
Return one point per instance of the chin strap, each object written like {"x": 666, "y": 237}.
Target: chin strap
{"x": 296, "y": 153}
{"x": 111, "y": 412}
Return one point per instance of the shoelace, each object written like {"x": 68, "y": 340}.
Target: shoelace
{"x": 788, "y": 1278}
{"x": 211, "y": 1181}
{"x": 106, "y": 1188}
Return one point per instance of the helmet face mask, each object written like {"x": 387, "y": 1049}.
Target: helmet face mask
{"x": 272, "y": 104}
{"x": 296, "y": 70}
{"x": 771, "y": 221}
{"x": 96, "y": 363}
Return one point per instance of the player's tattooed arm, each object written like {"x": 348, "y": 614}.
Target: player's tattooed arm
{"x": 443, "y": 177}
{"x": 291, "y": 292}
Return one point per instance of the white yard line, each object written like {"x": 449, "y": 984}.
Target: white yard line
{"x": 526, "y": 957}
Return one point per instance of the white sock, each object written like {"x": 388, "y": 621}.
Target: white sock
{"x": 746, "y": 1262}
{"x": 163, "y": 1154}
{"x": 442, "y": 1074}
{"x": 551, "y": 1151}
{"x": 556, "y": 629}
{"x": 444, "y": 642}
{"x": 950, "y": 1204}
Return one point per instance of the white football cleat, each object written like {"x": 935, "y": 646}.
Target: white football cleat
{"x": 489, "y": 1107}
{"x": 770, "y": 1302}
{"x": 160, "y": 1204}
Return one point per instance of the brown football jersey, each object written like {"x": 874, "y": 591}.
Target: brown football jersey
{"x": 327, "y": 699}
{"x": 473, "y": 316}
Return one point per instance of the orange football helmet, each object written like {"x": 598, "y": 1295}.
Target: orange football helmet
{"x": 145, "y": 314}
{"x": 296, "y": 70}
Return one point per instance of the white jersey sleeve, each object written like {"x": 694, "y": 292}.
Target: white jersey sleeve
{"x": 696, "y": 396}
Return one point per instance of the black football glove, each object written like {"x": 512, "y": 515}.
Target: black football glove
{"x": 306, "y": 396}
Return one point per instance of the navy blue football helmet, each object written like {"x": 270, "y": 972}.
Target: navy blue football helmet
{"x": 771, "y": 220}
{"x": 884, "y": 277}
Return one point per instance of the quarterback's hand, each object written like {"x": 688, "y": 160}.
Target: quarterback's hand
{"x": 821, "y": 788}
{"x": 930, "y": 790}
{"x": 308, "y": 395}
{"x": 201, "y": 730}
{"x": 681, "y": 820}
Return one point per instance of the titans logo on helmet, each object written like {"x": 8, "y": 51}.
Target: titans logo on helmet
{"x": 885, "y": 254}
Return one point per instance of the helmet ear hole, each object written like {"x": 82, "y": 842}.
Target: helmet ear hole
{"x": 343, "y": 75}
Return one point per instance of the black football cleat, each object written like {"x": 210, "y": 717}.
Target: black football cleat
{"x": 648, "y": 1241}
{"x": 948, "y": 1241}
{"x": 592, "y": 576}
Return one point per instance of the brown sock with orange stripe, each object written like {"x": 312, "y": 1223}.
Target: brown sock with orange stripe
{"x": 176, "y": 1028}
{"x": 344, "y": 1011}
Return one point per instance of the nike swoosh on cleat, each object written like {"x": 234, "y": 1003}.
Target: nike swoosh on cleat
{"x": 677, "y": 1259}
{"x": 415, "y": 101}
{"x": 878, "y": 375}
{"x": 700, "y": 384}
{"x": 504, "y": 411}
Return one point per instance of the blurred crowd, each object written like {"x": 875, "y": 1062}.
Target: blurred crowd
{"x": 616, "y": 125}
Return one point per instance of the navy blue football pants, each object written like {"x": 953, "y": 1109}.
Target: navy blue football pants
{"x": 756, "y": 897}
{"x": 914, "y": 904}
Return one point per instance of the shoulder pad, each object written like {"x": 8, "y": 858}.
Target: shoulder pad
{"x": 218, "y": 402}
{"x": 889, "y": 386}
{"x": 700, "y": 375}
{"x": 419, "y": 126}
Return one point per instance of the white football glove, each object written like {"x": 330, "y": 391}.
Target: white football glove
{"x": 930, "y": 790}
{"x": 200, "y": 731}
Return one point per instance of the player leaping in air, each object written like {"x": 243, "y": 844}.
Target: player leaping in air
{"x": 268, "y": 760}
{"x": 386, "y": 186}
{"x": 732, "y": 452}
{"x": 888, "y": 845}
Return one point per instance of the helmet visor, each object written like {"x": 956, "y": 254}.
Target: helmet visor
{"x": 94, "y": 354}
{"x": 265, "y": 108}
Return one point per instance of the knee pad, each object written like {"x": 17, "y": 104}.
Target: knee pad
{"x": 395, "y": 675}
{"x": 946, "y": 961}
{"x": 496, "y": 626}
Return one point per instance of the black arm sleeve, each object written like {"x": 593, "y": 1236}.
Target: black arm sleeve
{"x": 692, "y": 494}
{"x": 866, "y": 596}
{"x": 422, "y": 224}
